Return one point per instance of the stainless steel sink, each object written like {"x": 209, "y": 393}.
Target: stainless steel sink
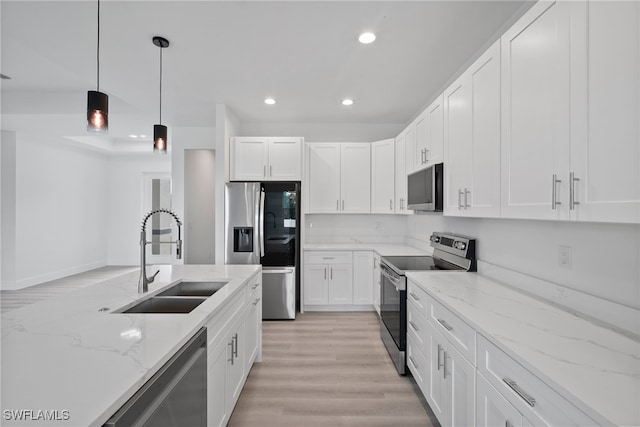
{"x": 166, "y": 304}
{"x": 193, "y": 289}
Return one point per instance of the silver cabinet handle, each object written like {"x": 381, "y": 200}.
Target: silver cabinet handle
{"x": 554, "y": 191}
{"x": 414, "y": 362}
{"x": 414, "y": 296}
{"x": 255, "y": 286}
{"x": 331, "y": 271}
{"x": 390, "y": 204}
{"x": 467, "y": 193}
{"x": 446, "y": 325}
{"x": 337, "y": 205}
{"x": 444, "y": 365}
{"x": 270, "y": 170}
{"x": 508, "y": 423}
{"x": 327, "y": 257}
{"x": 325, "y": 274}
{"x": 440, "y": 349}
{"x": 572, "y": 191}
{"x": 426, "y": 155}
{"x": 460, "y": 193}
{"x": 235, "y": 351}
{"x": 342, "y": 204}
{"x": 413, "y": 325}
{"x": 515, "y": 387}
{"x": 231, "y": 345}
{"x": 256, "y": 301}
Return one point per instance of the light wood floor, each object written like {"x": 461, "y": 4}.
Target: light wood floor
{"x": 327, "y": 369}
{"x": 10, "y": 300}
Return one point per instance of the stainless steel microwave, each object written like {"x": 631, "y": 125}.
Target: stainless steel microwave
{"x": 425, "y": 188}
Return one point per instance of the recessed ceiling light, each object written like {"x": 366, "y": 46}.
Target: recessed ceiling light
{"x": 270, "y": 101}
{"x": 142, "y": 136}
{"x": 133, "y": 136}
{"x": 347, "y": 101}
{"x": 367, "y": 38}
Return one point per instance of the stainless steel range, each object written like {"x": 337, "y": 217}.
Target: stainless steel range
{"x": 451, "y": 253}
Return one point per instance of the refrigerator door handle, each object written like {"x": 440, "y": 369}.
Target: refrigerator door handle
{"x": 261, "y": 223}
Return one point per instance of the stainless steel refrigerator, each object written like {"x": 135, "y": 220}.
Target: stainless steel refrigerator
{"x": 261, "y": 227}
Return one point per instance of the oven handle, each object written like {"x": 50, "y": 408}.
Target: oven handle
{"x": 396, "y": 282}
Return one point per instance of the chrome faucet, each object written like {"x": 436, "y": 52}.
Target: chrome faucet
{"x": 143, "y": 282}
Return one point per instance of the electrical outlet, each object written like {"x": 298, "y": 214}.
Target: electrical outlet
{"x": 565, "y": 257}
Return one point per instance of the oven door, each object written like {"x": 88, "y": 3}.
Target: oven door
{"x": 393, "y": 313}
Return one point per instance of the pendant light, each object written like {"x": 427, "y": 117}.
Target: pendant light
{"x": 97, "y": 102}
{"x": 160, "y": 131}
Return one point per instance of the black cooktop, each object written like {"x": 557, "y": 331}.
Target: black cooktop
{"x": 402, "y": 264}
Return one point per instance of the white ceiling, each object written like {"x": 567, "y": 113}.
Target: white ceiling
{"x": 303, "y": 53}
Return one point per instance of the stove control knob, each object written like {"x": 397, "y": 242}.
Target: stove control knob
{"x": 460, "y": 245}
{"x": 435, "y": 239}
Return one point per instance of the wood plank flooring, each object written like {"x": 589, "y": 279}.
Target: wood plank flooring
{"x": 10, "y": 300}
{"x": 327, "y": 369}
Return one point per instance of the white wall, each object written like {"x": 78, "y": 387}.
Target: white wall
{"x": 125, "y": 204}
{"x": 8, "y": 210}
{"x": 332, "y": 228}
{"x": 605, "y": 257}
{"x": 199, "y": 208}
{"x": 325, "y": 132}
{"x": 61, "y": 210}
{"x": 183, "y": 138}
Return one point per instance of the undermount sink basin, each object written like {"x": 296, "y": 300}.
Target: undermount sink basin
{"x": 193, "y": 289}
{"x": 166, "y": 304}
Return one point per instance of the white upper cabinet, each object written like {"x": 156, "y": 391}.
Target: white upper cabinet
{"x": 355, "y": 177}
{"x": 435, "y": 131}
{"x": 535, "y": 113}
{"x": 401, "y": 176}
{"x": 420, "y": 131}
{"x": 266, "y": 159}
{"x": 605, "y": 143}
{"x": 472, "y": 139}
{"x": 339, "y": 177}
{"x": 383, "y": 176}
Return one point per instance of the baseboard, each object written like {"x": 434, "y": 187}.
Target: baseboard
{"x": 54, "y": 275}
{"x": 364, "y": 307}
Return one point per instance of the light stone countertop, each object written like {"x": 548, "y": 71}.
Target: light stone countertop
{"x": 595, "y": 368}
{"x": 382, "y": 249}
{"x": 63, "y": 354}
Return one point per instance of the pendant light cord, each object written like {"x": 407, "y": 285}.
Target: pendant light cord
{"x": 98, "y": 50}
{"x": 160, "y": 84}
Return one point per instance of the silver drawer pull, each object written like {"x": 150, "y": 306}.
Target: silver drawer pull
{"x": 446, "y": 325}
{"x": 440, "y": 365}
{"x": 256, "y": 301}
{"x": 515, "y": 387}
{"x": 414, "y": 296}
{"x": 508, "y": 423}
{"x": 414, "y": 362}
{"x": 413, "y": 325}
{"x": 327, "y": 257}
{"x": 255, "y": 286}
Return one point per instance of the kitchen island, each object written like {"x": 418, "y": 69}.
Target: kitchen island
{"x": 75, "y": 358}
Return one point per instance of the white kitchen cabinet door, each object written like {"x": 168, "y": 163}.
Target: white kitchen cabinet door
{"x": 412, "y": 158}
{"x": 285, "y": 159}
{"x": 605, "y": 154}
{"x": 250, "y": 157}
{"x": 216, "y": 389}
{"x": 437, "y": 397}
{"x": 340, "y": 284}
{"x": 420, "y": 131}
{"x": 435, "y": 131}
{"x": 316, "y": 284}
{"x": 401, "y": 176}
{"x": 324, "y": 177}
{"x": 355, "y": 173}
{"x": 383, "y": 176}
{"x": 492, "y": 408}
{"x": 484, "y": 176}
{"x": 363, "y": 277}
{"x": 458, "y": 135}
{"x": 235, "y": 374}
{"x": 252, "y": 330}
{"x": 535, "y": 112}
{"x": 460, "y": 376}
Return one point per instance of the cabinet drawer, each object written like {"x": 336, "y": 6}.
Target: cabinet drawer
{"x": 417, "y": 326}
{"x": 255, "y": 288}
{"x": 418, "y": 364}
{"x": 531, "y": 396}
{"x": 461, "y": 335}
{"x": 418, "y": 297}
{"x": 327, "y": 257}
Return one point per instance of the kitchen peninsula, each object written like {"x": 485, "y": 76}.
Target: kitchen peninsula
{"x": 73, "y": 356}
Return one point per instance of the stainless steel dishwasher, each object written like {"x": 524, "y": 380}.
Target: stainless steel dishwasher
{"x": 176, "y": 396}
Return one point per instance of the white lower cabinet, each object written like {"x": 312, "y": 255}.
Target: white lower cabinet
{"x": 340, "y": 284}
{"x": 233, "y": 344}
{"x": 327, "y": 278}
{"x": 363, "y": 278}
{"x": 493, "y": 409}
